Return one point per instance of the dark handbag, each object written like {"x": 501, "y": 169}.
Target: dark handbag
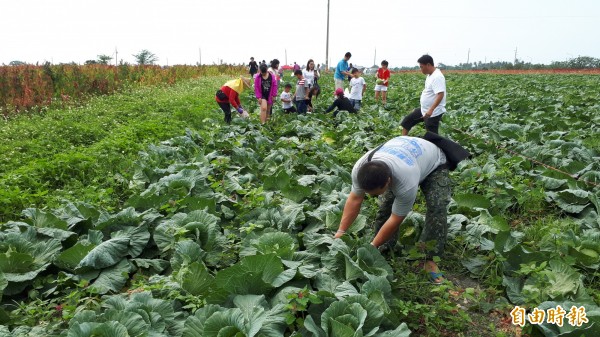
{"x": 221, "y": 95}
{"x": 454, "y": 152}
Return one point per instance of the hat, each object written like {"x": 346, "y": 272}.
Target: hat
{"x": 246, "y": 82}
{"x": 239, "y": 84}
{"x": 339, "y": 92}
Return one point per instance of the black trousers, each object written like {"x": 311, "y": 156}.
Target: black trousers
{"x": 226, "y": 107}
{"x": 431, "y": 124}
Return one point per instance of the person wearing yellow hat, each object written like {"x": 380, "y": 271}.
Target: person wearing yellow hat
{"x": 229, "y": 95}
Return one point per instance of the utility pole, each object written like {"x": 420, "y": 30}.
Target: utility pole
{"x": 468, "y": 55}
{"x": 327, "y": 46}
{"x": 200, "y": 55}
{"x": 515, "y": 55}
{"x": 286, "y": 57}
{"x": 116, "y": 57}
{"x": 375, "y": 57}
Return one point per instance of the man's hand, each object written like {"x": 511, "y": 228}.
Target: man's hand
{"x": 427, "y": 115}
{"x": 339, "y": 234}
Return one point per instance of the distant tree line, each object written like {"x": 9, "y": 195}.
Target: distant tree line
{"x": 580, "y": 62}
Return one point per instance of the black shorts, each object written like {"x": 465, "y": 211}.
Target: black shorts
{"x": 289, "y": 110}
{"x": 431, "y": 124}
{"x": 265, "y": 95}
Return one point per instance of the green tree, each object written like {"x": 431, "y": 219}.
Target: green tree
{"x": 104, "y": 59}
{"x": 145, "y": 57}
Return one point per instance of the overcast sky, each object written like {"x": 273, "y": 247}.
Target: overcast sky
{"x": 58, "y": 31}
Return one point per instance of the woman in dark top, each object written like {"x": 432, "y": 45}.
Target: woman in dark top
{"x": 265, "y": 89}
{"x": 253, "y": 67}
{"x": 341, "y": 103}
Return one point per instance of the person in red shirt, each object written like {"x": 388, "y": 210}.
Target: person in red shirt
{"x": 383, "y": 77}
{"x": 229, "y": 95}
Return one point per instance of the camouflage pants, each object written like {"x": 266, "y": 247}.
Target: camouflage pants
{"x": 437, "y": 189}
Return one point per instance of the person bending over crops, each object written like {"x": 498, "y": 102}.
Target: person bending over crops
{"x": 433, "y": 99}
{"x": 229, "y": 95}
{"x": 394, "y": 172}
{"x": 265, "y": 88}
{"x": 340, "y": 103}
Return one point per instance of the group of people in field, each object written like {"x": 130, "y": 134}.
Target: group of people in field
{"x": 395, "y": 170}
{"x": 267, "y": 79}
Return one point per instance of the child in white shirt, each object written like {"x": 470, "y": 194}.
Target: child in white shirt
{"x": 358, "y": 87}
{"x": 286, "y": 99}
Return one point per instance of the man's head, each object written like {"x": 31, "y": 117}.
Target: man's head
{"x": 287, "y": 87}
{"x": 426, "y": 64}
{"x": 384, "y": 64}
{"x": 355, "y": 73}
{"x": 298, "y": 73}
{"x": 347, "y": 56}
{"x": 374, "y": 177}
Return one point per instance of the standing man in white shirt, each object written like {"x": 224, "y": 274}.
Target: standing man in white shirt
{"x": 433, "y": 99}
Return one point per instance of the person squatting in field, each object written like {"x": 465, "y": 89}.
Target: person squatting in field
{"x": 229, "y": 95}
{"x": 265, "y": 89}
{"x": 433, "y": 99}
{"x": 341, "y": 102}
{"x": 394, "y": 171}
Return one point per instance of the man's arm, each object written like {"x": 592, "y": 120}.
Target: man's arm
{"x": 387, "y": 230}
{"x": 438, "y": 99}
{"x": 332, "y": 106}
{"x": 351, "y": 210}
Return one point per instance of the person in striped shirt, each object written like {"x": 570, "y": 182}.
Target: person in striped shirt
{"x": 301, "y": 92}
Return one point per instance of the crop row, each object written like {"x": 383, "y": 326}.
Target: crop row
{"x": 27, "y": 87}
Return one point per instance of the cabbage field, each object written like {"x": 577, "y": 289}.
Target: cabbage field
{"x": 227, "y": 230}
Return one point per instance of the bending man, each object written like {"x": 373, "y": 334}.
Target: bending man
{"x": 394, "y": 171}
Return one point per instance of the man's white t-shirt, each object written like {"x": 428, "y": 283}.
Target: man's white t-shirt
{"x": 434, "y": 84}
{"x": 411, "y": 160}
{"x": 356, "y": 88}
{"x": 286, "y": 96}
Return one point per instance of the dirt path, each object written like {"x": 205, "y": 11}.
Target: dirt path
{"x": 493, "y": 324}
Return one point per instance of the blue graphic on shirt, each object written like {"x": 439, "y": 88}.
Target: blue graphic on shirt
{"x": 408, "y": 150}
